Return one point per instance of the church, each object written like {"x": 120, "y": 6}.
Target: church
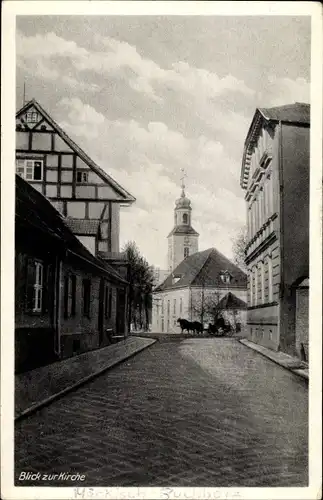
{"x": 197, "y": 282}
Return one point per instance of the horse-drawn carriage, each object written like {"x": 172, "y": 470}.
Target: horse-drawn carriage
{"x": 221, "y": 327}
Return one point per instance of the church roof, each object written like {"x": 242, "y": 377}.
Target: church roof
{"x": 183, "y": 229}
{"x": 125, "y": 195}
{"x": 204, "y": 269}
{"x": 231, "y": 301}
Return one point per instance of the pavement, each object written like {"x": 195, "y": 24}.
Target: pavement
{"x": 198, "y": 412}
{"x": 295, "y": 365}
{"x": 36, "y": 388}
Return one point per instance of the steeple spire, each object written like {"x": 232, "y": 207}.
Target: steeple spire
{"x": 183, "y": 183}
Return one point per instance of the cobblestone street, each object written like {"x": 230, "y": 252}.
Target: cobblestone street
{"x": 197, "y": 412}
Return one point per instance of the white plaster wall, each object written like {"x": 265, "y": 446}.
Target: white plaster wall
{"x": 177, "y": 243}
{"x": 88, "y": 242}
{"x": 169, "y": 318}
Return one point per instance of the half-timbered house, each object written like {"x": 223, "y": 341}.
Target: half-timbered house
{"x": 75, "y": 198}
{"x": 67, "y": 301}
{"x": 76, "y": 186}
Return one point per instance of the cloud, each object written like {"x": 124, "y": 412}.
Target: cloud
{"x": 42, "y": 55}
{"x": 280, "y": 91}
{"x": 114, "y": 56}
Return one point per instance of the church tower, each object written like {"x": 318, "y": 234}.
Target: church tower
{"x": 183, "y": 239}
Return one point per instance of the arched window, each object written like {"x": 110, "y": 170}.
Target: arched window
{"x": 184, "y": 218}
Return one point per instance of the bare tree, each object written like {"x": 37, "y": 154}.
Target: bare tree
{"x": 206, "y": 305}
{"x": 239, "y": 248}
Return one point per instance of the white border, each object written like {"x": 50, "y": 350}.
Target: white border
{"x": 10, "y": 10}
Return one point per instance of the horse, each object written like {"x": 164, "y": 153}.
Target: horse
{"x": 185, "y": 325}
{"x": 198, "y": 327}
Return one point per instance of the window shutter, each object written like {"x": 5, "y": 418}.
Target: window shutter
{"x": 30, "y": 282}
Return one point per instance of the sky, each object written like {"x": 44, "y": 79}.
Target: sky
{"x": 147, "y": 96}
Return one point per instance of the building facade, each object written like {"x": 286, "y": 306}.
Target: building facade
{"x": 196, "y": 288}
{"x": 275, "y": 176}
{"x": 67, "y": 301}
{"x": 76, "y": 186}
{"x": 80, "y": 204}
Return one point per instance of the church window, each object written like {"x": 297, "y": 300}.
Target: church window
{"x": 174, "y": 306}
{"x": 184, "y": 218}
{"x": 30, "y": 170}
{"x": 186, "y": 252}
{"x": 82, "y": 176}
{"x": 168, "y": 307}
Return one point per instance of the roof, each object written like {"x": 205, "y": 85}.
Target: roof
{"x": 204, "y": 269}
{"x": 126, "y": 197}
{"x": 33, "y": 210}
{"x": 83, "y": 226}
{"x": 230, "y": 301}
{"x": 182, "y": 229}
{"x": 297, "y": 113}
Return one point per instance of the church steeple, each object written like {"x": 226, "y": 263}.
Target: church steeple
{"x": 183, "y": 239}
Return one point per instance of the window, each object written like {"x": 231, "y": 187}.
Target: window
{"x": 184, "y": 218}
{"x": 270, "y": 279}
{"x": 82, "y": 176}
{"x": 168, "y": 307}
{"x": 186, "y": 252}
{"x": 180, "y": 305}
{"x": 225, "y": 277}
{"x": 32, "y": 117}
{"x": 174, "y": 306}
{"x": 162, "y": 325}
{"x": 37, "y": 293}
{"x": 251, "y": 287}
{"x": 31, "y": 170}
{"x": 255, "y": 282}
{"x": 174, "y": 322}
{"x": 108, "y": 302}
{"x": 86, "y": 293}
{"x": 262, "y": 281}
{"x": 38, "y": 287}
{"x": 69, "y": 295}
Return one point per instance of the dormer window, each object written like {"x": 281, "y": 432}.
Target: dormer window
{"x": 82, "y": 177}
{"x": 31, "y": 117}
{"x": 225, "y": 277}
{"x": 184, "y": 218}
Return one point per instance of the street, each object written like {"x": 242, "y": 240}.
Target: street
{"x": 197, "y": 412}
